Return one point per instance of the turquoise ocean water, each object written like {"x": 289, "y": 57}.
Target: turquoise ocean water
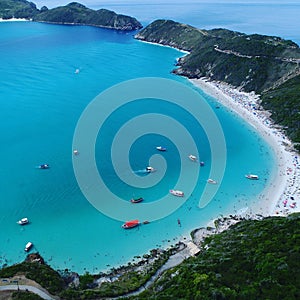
{"x": 41, "y": 101}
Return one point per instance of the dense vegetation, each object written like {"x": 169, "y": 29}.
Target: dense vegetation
{"x": 42, "y": 274}
{"x": 73, "y": 13}
{"x": 129, "y": 278}
{"x": 24, "y": 295}
{"x": 252, "y": 260}
{"x": 252, "y": 62}
{"x": 284, "y": 103}
{"x": 17, "y": 9}
{"x": 267, "y": 65}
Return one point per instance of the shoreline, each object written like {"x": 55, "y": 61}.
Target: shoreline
{"x": 278, "y": 197}
{"x": 14, "y": 20}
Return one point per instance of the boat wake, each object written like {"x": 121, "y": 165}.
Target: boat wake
{"x": 143, "y": 172}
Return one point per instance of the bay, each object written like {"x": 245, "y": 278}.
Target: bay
{"x": 42, "y": 97}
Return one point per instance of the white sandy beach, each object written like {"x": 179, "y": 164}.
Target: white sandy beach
{"x": 282, "y": 196}
{"x": 13, "y": 20}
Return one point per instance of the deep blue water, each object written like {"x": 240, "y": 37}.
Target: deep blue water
{"x": 42, "y": 99}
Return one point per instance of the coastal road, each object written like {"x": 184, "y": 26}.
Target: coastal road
{"x": 173, "y": 261}
{"x": 33, "y": 289}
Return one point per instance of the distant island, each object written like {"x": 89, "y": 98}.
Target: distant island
{"x": 73, "y": 13}
{"x": 267, "y": 65}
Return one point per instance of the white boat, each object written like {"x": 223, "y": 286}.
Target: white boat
{"x": 252, "y": 176}
{"x": 211, "y": 181}
{"x": 160, "y": 148}
{"x": 43, "y": 166}
{"x": 23, "y": 221}
{"x": 177, "y": 193}
{"x": 150, "y": 169}
{"x": 193, "y": 157}
{"x": 28, "y": 246}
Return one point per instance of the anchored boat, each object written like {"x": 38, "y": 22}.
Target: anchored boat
{"x": 252, "y": 176}
{"x": 28, "y": 246}
{"x": 160, "y": 148}
{"x": 130, "y": 224}
{"x": 137, "y": 200}
{"x": 177, "y": 193}
{"x": 23, "y": 221}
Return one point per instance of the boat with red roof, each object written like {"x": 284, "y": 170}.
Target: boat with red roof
{"x": 130, "y": 224}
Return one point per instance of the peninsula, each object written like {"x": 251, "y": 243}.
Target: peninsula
{"x": 265, "y": 65}
{"x": 73, "y": 13}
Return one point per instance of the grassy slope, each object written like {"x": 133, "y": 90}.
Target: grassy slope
{"x": 284, "y": 103}
{"x": 253, "y": 260}
{"x": 253, "y": 62}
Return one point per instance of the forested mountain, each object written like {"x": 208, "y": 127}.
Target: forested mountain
{"x": 253, "y": 62}
{"x": 267, "y": 65}
{"x": 73, "y": 13}
{"x": 17, "y": 9}
{"x": 253, "y": 260}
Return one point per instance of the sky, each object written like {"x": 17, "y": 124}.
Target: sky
{"x": 99, "y": 3}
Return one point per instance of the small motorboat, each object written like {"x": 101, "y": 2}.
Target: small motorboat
{"x": 75, "y": 152}
{"x": 202, "y": 163}
{"x": 211, "y": 181}
{"x": 146, "y": 222}
{"x": 130, "y": 224}
{"x": 252, "y": 176}
{"x": 193, "y": 157}
{"x": 177, "y": 193}
{"x": 44, "y": 166}
{"x": 23, "y": 221}
{"x": 77, "y": 71}
{"x": 160, "y": 148}
{"x": 137, "y": 200}
{"x": 150, "y": 169}
{"x": 28, "y": 246}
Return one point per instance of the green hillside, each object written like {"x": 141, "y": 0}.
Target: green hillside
{"x": 17, "y": 9}
{"x": 284, "y": 104}
{"x": 73, "y": 13}
{"x": 253, "y": 260}
{"x": 267, "y": 65}
{"x": 252, "y": 62}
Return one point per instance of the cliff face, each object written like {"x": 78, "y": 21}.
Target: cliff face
{"x": 251, "y": 62}
{"x": 73, "y": 13}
